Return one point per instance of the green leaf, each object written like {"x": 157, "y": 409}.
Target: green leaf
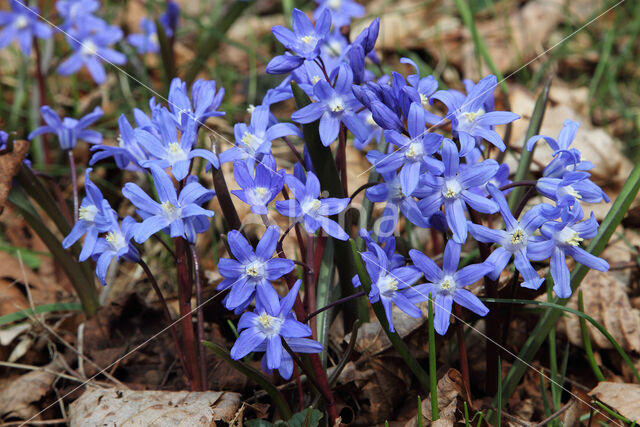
{"x": 395, "y": 339}
{"x": 586, "y": 339}
{"x": 535, "y": 123}
{"x": 166, "y": 53}
{"x": 254, "y": 375}
{"x": 73, "y": 269}
{"x": 327, "y": 173}
{"x": 308, "y": 418}
{"x": 45, "y": 308}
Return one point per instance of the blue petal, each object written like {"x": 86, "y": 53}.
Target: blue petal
{"x": 470, "y": 301}
{"x": 442, "y": 312}
{"x": 246, "y": 343}
{"x": 560, "y": 274}
{"x": 431, "y": 271}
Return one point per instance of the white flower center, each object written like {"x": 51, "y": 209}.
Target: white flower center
{"x": 251, "y": 140}
{"x": 315, "y": 79}
{"x": 254, "y": 269}
{"x": 369, "y": 119}
{"x": 470, "y": 117}
{"x": 568, "y": 189}
{"x": 516, "y": 239}
{"x": 448, "y": 284}
{"x": 153, "y": 38}
{"x": 308, "y": 40}
{"x": 269, "y": 325}
{"x": 569, "y": 237}
{"x": 451, "y": 189}
{"x": 88, "y": 213}
{"x": 89, "y": 48}
{"x": 387, "y": 286}
{"x": 334, "y": 4}
{"x": 176, "y": 153}
{"x": 21, "y": 22}
{"x": 310, "y": 206}
{"x": 170, "y": 211}
{"x": 424, "y": 100}
{"x": 120, "y": 141}
{"x": 258, "y": 195}
{"x": 115, "y": 240}
{"x": 250, "y": 109}
{"x": 414, "y": 152}
{"x": 336, "y": 105}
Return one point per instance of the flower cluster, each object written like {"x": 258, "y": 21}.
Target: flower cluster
{"x": 429, "y": 152}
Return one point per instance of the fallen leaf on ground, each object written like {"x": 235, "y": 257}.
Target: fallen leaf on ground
{"x": 624, "y": 398}
{"x": 17, "y": 397}
{"x": 607, "y": 302}
{"x": 450, "y": 391}
{"x": 153, "y": 408}
{"x": 9, "y": 167}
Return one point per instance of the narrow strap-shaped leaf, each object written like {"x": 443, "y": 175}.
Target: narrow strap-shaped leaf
{"x": 254, "y": 375}
{"x": 40, "y": 309}
{"x": 166, "y": 53}
{"x": 526, "y": 156}
{"x": 73, "y": 269}
{"x": 395, "y": 339}
{"x": 587, "y": 343}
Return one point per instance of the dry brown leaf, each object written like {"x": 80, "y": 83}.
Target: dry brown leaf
{"x": 153, "y": 408}
{"x": 607, "y": 302}
{"x": 18, "y": 396}
{"x": 450, "y": 390}
{"x": 624, "y": 398}
{"x": 9, "y": 167}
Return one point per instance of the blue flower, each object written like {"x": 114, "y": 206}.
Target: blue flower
{"x": 73, "y": 11}
{"x": 573, "y": 186}
{"x": 446, "y": 285}
{"x": 22, "y": 23}
{"x": 374, "y": 132}
{"x": 311, "y": 211}
{"x": 172, "y": 211}
{"x": 90, "y": 42}
{"x": 304, "y": 41}
{"x": 147, "y": 42}
{"x": 563, "y": 238}
{"x": 128, "y": 155}
{"x": 414, "y": 156}
{"x": 469, "y": 117}
{"x": 453, "y": 190}
{"x": 254, "y": 141}
{"x": 252, "y": 272}
{"x": 425, "y": 87}
{"x": 264, "y": 330}
{"x": 392, "y": 285}
{"x": 342, "y": 11}
{"x": 335, "y": 105}
{"x": 518, "y": 240}
{"x": 69, "y": 130}
{"x": 115, "y": 244}
{"x": 390, "y": 191}
{"x": 258, "y": 188}
{"x": 91, "y": 219}
{"x": 169, "y": 19}
{"x": 206, "y": 102}
{"x": 167, "y": 150}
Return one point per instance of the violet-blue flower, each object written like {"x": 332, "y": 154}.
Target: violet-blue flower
{"x": 73, "y": 11}
{"x": 446, "y": 285}
{"x": 69, "y": 130}
{"x": 91, "y": 220}
{"x": 392, "y": 285}
{"x": 563, "y": 238}
{"x": 206, "y": 102}
{"x": 304, "y": 41}
{"x": 252, "y": 272}
{"x": 518, "y": 240}
{"x": 573, "y": 185}
{"x": 172, "y": 210}
{"x": 167, "y": 150}
{"x": 90, "y": 44}
{"x": 453, "y": 190}
{"x": 342, "y": 11}
{"x": 311, "y": 211}
{"x": 255, "y": 140}
{"x": 335, "y": 105}
{"x": 264, "y": 330}
{"x": 147, "y": 41}
{"x": 116, "y": 244}
{"x": 414, "y": 156}
{"x": 22, "y": 23}
{"x": 128, "y": 154}
{"x": 260, "y": 187}
{"x": 469, "y": 117}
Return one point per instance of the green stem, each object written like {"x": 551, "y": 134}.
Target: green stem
{"x": 433, "y": 379}
{"x": 586, "y": 339}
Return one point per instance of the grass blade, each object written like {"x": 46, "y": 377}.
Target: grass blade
{"x": 535, "y": 123}
{"x": 253, "y": 374}
{"x": 40, "y": 309}
{"x": 586, "y": 339}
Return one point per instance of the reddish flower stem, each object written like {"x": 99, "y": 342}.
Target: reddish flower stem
{"x": 184, "y": 300}
{"x": 199, "y": 316}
